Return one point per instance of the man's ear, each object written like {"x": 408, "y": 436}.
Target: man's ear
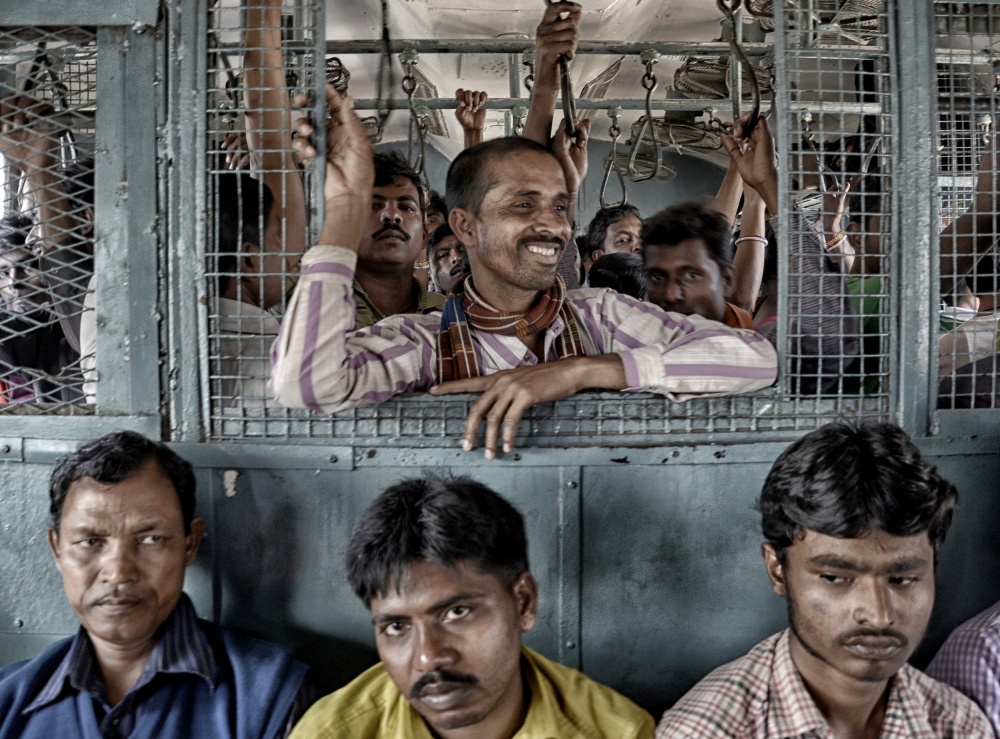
{"x": 854, "y": 235}
{"x": 775, "y": 570}
{"x": 525, "y": 591}
{"x": 193, "y": 540}
{"x": 464, "y": 224}
{"x": 596, "y": 254}
{"x": 728, "y": 280}
{"x": 250, "y": 258}
{"x": 53, "y": 537}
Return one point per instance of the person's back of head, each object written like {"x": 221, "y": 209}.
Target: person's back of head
{"x": 623, "y": 272}
{"x": 242, "y": 213}
{"x": 846, "y": 480}
{"x": 447, "y": 522}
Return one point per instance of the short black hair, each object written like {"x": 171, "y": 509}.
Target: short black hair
{"x": 470, "y": 177}
{"x": 14, "y": 230}
{"x": 436, "y": 203}
{"x": 391, "y": 166}
{"x": 238, "y": 216}
{"x": 623, "y": 272}
{"x": 846, "y": 480}
{"x": 117, "y": 457}
{"x": 441, "y": 232}
{"x": 602, "y": 221}
{"x": 448, "y": 522}
{"x": 693, "y": 219}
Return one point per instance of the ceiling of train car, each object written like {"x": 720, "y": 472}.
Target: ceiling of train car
{"x": 603, "y": 20}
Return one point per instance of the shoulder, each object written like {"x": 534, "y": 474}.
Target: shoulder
{"x": 356, "y": 710}
{"x": 265, "y": 659}
{"x": 20, "y": 682}
{"x": 726, "y": 702}
{"x": 595, "y": 708}
{"x": 947, "y": 710}
{"x": 980, "y": 634}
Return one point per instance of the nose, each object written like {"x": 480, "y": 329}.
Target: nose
{"x": 675, "y": 292}
{"x": 390, "y": 214}
{"x": 875, "y": 608}
{"x": 455, "y": 256}
{"x": 433, "y": 650}
{"x": 119, "y": 564}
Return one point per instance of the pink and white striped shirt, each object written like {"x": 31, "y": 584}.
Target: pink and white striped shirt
{"x": 319, "y": 362}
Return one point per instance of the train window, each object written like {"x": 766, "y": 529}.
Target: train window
{"x": 47, "y": 127}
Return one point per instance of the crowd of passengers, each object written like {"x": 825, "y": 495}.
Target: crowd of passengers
{"x": 410, "y": 291}
{"x": 853, "y": 522}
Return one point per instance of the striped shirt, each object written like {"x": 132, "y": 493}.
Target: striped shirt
{"x": 182, "y": 648}
{"x": 970, "y": 662}
{"x": 319, "y": 362}
{"x": 762, "y": 695}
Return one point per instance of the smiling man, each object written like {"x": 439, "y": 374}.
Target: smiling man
{"x": 853, "y": 520}
{"x": 142, "y": 664}
{"x": 511, "y": 330}
{"x": 443, "y": 567}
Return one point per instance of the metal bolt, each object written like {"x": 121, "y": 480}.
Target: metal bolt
{"x": 332, "y": 459}
{"x": 571, "y": 484}
{"x": 18, "y": 622}
{"x": 5, "y": 449}
{"x": 571, "y": 645}
{"x": 516, "y": 457}
{"x": 721, "y": 454}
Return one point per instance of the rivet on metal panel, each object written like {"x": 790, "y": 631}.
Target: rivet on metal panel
{"x": 721, "y": 454}
{"x": 571, "y": 484}
{"x": 571, "y": 645}
{"x": 332, "y": 459}
{"x": 18, "y": 623}
{"x": 516, "y": 457}
{"x": 5, "y": 449}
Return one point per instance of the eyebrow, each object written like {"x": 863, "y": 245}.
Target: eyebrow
{"x": 86, "y": 530}
{"x": 439, "y": 606}
{"x": 839, "y": 563}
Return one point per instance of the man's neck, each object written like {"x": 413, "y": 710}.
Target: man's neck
{"x": 854, "y": 709}
{"x": 121, "y": 667}
{"x": 390, "y": 292}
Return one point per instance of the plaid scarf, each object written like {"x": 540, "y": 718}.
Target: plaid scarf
{"x": 465, "y": 310}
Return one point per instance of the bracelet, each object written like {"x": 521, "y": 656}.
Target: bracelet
{"x": 835, "y": 239}
{"x": 422, "y": 265}
{"x": 758, "y": 239}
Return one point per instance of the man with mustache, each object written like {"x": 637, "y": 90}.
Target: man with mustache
{"x": 123, "y": 532}
{"x": 853, "y": 520}
{"x": 443, "y": 567}
{"x": 511, "y": 331}
{"x": 394, "y": 239}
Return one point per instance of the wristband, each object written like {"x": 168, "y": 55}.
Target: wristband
{"x": 758, "y": 239}
{"x": 835, "y": 239}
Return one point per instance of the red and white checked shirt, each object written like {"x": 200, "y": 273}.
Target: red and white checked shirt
{"x": 762, "y": 695}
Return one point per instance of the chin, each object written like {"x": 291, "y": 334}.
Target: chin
{"x": 455, "y": 719}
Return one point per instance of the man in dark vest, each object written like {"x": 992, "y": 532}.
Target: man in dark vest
{"x": 123, "y": 532}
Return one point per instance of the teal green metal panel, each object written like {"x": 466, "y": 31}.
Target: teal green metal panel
{"x": 80, "y": 13}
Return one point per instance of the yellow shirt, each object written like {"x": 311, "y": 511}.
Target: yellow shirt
{"x": 565, "y": 704}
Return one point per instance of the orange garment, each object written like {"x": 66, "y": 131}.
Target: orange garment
{"x": 737, "y": 317}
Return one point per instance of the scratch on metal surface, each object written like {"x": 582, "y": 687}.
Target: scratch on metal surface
{"x": 229, "y": 478}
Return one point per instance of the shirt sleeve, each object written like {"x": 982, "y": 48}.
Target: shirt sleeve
{"x": 307, "y": 695}
{"x": 970, "y": 663}
{"x": 674, "y": 355}
{"x": 319, "y": 362}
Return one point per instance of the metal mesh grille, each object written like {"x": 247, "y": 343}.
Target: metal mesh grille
{"x": 837, "y": 348}
{"x": 967, "y": 167}
{"x": 47, "y": 115}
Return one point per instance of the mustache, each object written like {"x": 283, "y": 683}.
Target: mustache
{"x": 851, "y": 637}
{"x": 539, "y": 239}
{"x": 391, "y": 227}
{"x": 117, "y": 594}
{"x": 440, "y": 676}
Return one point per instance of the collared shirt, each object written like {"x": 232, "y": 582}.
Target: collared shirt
{"x": 368, "y": 315}
{"x": 318, "y": 362}
{"x": 970, "y": 662}
{"x": 182, "y": 648}
{"x": 565, "y": 704}
{"x": 762, "y": 695}
{"x": 242, "y": 336}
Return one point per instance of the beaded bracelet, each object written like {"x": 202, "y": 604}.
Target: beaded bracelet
{"x": 758, "y": 239}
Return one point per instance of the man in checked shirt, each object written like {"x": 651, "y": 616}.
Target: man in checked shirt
{"x": 512, "y": 332}
{"x": 853, "y": 520}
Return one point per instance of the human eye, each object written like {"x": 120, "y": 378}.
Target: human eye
{"x": 89, "y": 542}
{"x": 456, "y": 612}
{"x": 152, "y": 539}
{"x": 833, "y": 579}
{"x": 393, "y": 629}
{"x": 903, "y": 580}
